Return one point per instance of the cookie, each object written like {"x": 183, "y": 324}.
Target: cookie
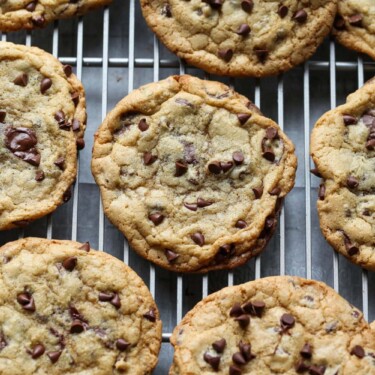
{"x": 192, "y": 173}
{"x": 242, "y": 37}
{"x": 354, "y": 26}
{"x": 26, "y": 14}
{"x": 42, "y": 122}
{"x": 67, "y": 309}
{"x": 276, "y": 325}
{"x": 343, "y": 149}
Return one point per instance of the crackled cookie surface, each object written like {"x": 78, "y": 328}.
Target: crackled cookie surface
{"x": 42, "y": 121}
{"x": 30, "y": 14}
{"x": 342, "y": 147}
{"x": 67, "y": 309}
{"x": 241, "y": 37}
{"x": 192, "y": 173}
{"x": 275, "y": 325}
{"x": 354, "y": 26}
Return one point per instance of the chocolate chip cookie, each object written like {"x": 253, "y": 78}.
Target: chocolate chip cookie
{"x": 192, "y": 173}
{"x": 343, "y": 149}
{"x": 241, "y": 37}
{"x": 276, "y": 325}
{"x": 42, "y": 122}
{"x": 30, "y": 14}
{"x": 354, "y": 26}
{"x": 67, "y": 309}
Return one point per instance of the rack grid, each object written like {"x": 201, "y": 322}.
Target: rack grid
{"x": 113, "y": 52}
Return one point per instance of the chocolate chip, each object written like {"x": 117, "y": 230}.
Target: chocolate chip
{"x": 275, "y": 191}
{"x": 243, "y": 117}
{"x": 76, "y": 315}
{"x": 76, "y": 125}
{"x": 122, "y": 345}
{"x": 352, "y": 182}
{"x": 3, "y": 342}
{"x": 45, "y": 85}
{"x": 80, "y": 143}
{"x": 2, "y": 115}
{"x": 241, "y": 224}
{"x": 39, "y": 176}
{"x": 21, "y": 80}
{"x": 272, "y": 133}
{"x": 238, "y": 157}
{"x": 198, "y": 238}
{"x": 166, "y": 10}
{"x": 254, "y": 308}
{"x": 247, "y": 5}
{"x": 75, "y": 98}
{"x": 214, "y": 167}
{"x": 219, "y": 345}
{"x": 226, "y": 54}
{"x": 306, "y": 351}
{"x": 105, "y": 297}
{"x": 191, "y": 206}
{"x": 156, "y": 217}
{"x": 67, "y": 195}
{"x": 269, "y": 155}
{"x": 315, "y": 172}
{"x": 370, "y": 144}
{"x": 148, "y": 158}
{"x": 37, "y": 351}
{"x": 77, "y": 326}
{"x": 38, "y": 20}
{"x": 181, "y": 168}
{"x": 115, "y": 301}
{"x": 54, "y": 356}
{"x": 150, "y": 315}
{"x": 300, "y": 16}
{"x": 236, "y": 310}
{"x": 215, "y": 4}
{"x": 26, "y": 300}
{"x": 282, "y": 11}
{"x": 142, "y": 125}
{"x": 67, "y": 70}
{"x": 358, "y": 351}
{"x": 261, "y": 53}
{"x": 170, "y": 255}
{"x": 245, "y": 350}
{"x": 238, "y": 359}
{"x": 189, "y": 153}
{"x": 243, "y": 320}
{"x": 351, "y": 248}
{"x": 356, "y": 20}
{"x": 226, "y": 165}
{"x": 302, "y": 367}
{"x": 322, "y": 192}
{"x": 339, "y": 23}
{"x": 70, "y": 263}
{"x": 349, "y": 120}
{"x": 234, "y": 370}
{"x": 85, "y": 246}
{"x": 243, "y": 29}
{"x": 317, "y": 370}
{"x": 258, "y": 192}
{"x": 213, "y": 361}
{"x": 31, "y": 6}
{"x": 287, "y": 321}
{"x": 60, "y": 162}
{"x": 203, "y": 203}
{"x": 22, "y": 142}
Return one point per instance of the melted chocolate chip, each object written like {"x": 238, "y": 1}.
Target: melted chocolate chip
{"x": 39, "y": 176}
{"x": 261, "y": 53}
{"x": 170, "y": 255}
{"x": 76, "y": 315}
{"x": 185, "y": 102}
{"x": 301, "y": 367}
{"x": 105, "y": 297}
{"x": 339, "y": 23}
{"x": 70, "y": 263}
{"x": 358, "y": 351}
{"x": 352, "y": 182}
{"x": 238, "y": 359}
{"x": 150, "y": 315}
{"x": 189, "y": 153}
{"x": 75, "y": 98}
{"x": 349, "y": 120}
{"x": 198, "y": 238}
{"x": 245, "y": 350}
{"x": 2, "y": 115}
{"x": 122, "y": 345}
{"x": 351, "y": 248}
{"x": 243, "y": 29}
{"x": 317, "y": 370}
{"x": 356, "y": 20}
{"x": 67, "y": 70}
{"x": 272, "y": 133}
{"x": 234, "y": 370}
{"x": 300, "y": 16}
{"x": 275, "y": 191}
{"x": 30, "y": 7}
{"x": 322, "y": 192}
{"x": 254, "y": 308}
{"x": 85, "y": 246}
{"x": 226, "y": 166}
{"x": 213, "y": 361}
{"x": 243, "y": 320}
{"x": 191, "y": 206}
{"x": 142, "y": 125}
{"x": 3, "y": 341}
{"x": 268, "y": 154}
{"x": 287, "y": 321}
{"x": 247, "y": 5}
{"x": 21, "y": 80}
{"x": 80, "y": 143}
{"x": 60, "y": 162}
{"x": 282, "y": 11}
{"x": 219, "y": 345}
{"x": 243, "y": 117}
{"x": 76, "y": 125}
{"x": 22, "y": 142}
{"x": 37, "y": 351}
{"x": 241, "y": 224}
{"x": 54, "y": 356}
{"x": 226, "y": 54}
{"x": 156, "y": 217}
{"x": 181, "y": 168}
{"x": 306, "y": 351}
{"x": 315, "y": 172}
{"x": 203, "y": 203}
{"x": 370, "y": 144}
{"x": 45, "y": 85}
{"x": 258, "y": 192}
{"x": 236, "y": 310}
{"x": 38, "y": 20}
{"x": 148, "y": 158}
{"x": 115, "y": 301}
{"x": 77, "y": 326}
{"x": 166, "y": 11}
{"x": 26, "y": 300}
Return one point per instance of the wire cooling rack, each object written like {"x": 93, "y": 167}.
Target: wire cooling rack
{"x": 113, "y": 52}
